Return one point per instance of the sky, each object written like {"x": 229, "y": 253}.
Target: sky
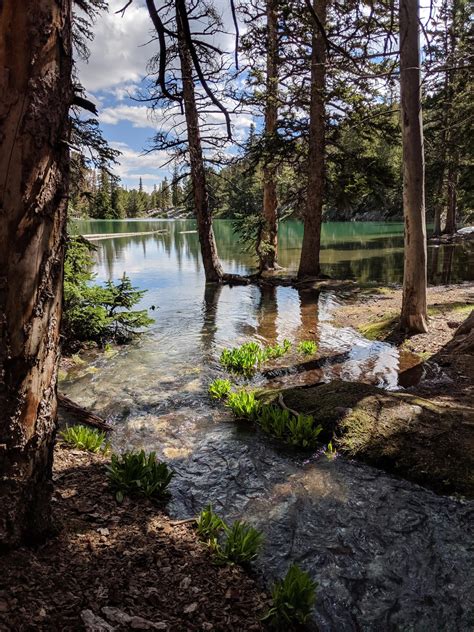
{"x": 117, "y": 65}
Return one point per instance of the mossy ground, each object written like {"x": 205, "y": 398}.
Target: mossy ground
{"x": 426, "y": 442}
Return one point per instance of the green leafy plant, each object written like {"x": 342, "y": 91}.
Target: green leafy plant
{"x": 308, "y": 347}
{"x": 244, "y": 404}
{"x": 219, "y": 388}
{"x": 135, "y": 473}
{"x": 209, "y": 525}
{"x": 302, "y": 431}
{"x": 274, "y": 420}
{"x": 330, "y": 451}
{"x": 241, "y": 545}
{"x": 84, "y": 438}
{"x": 277, "y": 351}
{"x": 246, "y": 358}
{"x": 293, "y": 599}
{"x": 243, "y": 359}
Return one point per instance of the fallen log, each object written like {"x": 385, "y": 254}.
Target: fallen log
{"x": 82, "y": 415}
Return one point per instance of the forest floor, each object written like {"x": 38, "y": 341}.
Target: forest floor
{"x": 120, "y": 567}
{"x": 424, "y": 432}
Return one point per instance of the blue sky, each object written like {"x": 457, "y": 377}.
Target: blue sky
{"x": 116, "y": 67}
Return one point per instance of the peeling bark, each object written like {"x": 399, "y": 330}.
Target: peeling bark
{"x": 414, "y": 310}
{"x": 309, "y": 261}
{"x": 35, "y": 93}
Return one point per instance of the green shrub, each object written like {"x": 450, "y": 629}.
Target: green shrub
{"x": 219, "y": 388}
{"x": 246, "y": 358}
{"x": 292, "y": 599}
{"x": 135, "y": 473}
{"x": 302, "y": 431}
{"x": 96, "y": 313}
{"x": 84, "y": 438}
{"x": 241, "y": 544}
{"x": 308, "y": 347}
{"x": 209, "y": 525}
{"x": 243, "y": 404}
{"x": 274, "y": 420}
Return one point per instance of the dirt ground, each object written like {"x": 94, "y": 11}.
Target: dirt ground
{"x": 120, "y": 567}
{"x": 374, "y": 312}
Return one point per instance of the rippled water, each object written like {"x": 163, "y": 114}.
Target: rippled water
{"x": 387, "y": 554}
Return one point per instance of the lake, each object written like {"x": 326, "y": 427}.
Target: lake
{"x": 386, "y": 553}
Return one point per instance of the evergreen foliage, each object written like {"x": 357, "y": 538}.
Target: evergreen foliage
{"x": 97, "y": 313}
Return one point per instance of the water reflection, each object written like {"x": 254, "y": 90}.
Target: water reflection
{"x": 364, "y": 251}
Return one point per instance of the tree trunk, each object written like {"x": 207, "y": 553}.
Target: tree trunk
{"x": 212, "y": 267}
{"x": 268, "y": 243}
{"x": 414, "y": 315}
{"x": 35, "y": 80}
{"x": 451, "y": 223}
{"x": 309, "y": 261}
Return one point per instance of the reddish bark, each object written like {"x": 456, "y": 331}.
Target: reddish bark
{"x": 35, "y": 89}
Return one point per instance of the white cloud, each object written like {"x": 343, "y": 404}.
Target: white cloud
{"x": 137, "y": 115}
{"x": 133, "y": 165}
{"x": 117, "y": 52}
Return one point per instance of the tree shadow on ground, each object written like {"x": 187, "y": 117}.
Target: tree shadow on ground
{"x": 128, "y": 557}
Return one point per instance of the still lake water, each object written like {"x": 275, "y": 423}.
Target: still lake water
{"x": 387, "y": 554}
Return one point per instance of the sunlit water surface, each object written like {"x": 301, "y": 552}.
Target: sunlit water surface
{"x": 387, "y": 554}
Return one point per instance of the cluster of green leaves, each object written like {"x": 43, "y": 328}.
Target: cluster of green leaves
{"x": 293, "y": 599}
{"x": 84, "y": 438}
{"x": 244, "y": 404}
{"x": 308, "y": 347}
{"x": 239, "y": 543}
{"x": 246, "y": 358}
{"x": 219, "y": 388}
{"x": 96, "y": 313}
{"x": 138, "y": 474}
{"x": 297, "y": 430}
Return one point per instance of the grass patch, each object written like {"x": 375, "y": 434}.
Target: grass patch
{"x": 308, "y": 347}
{"x": 456, "y": 306}
{"x": 136, "y": 474}
{"x": 379, "y": 329}
{"x": 293, "y": 599}
{"x": 218, "y": 389}
{"x": 85, "y": 438}
{"x": 209, "y": 525}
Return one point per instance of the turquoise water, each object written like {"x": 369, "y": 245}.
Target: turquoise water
{"x": 363, "y": 251}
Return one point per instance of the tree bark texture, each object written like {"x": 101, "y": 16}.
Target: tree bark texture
{"x": 268, "y": 243}
{"x": 310, "y": 252}
{"x": 35, "y": 94}
{"x": 414, "y": 311}
{"x": 212, "y": 266}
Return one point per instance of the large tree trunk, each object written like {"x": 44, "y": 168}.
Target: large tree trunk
{"x": 414, "y": 315}
{"x": 268, "y": 243}
{"x": 309, "y": 261}
{"x": 35, "y": 82}
{"x": 212, "y": 267}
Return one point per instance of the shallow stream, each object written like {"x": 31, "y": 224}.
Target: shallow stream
{"x": 387, "y": 554}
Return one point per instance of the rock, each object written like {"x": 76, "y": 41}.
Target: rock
{"x": 131, "y": 621}
{"x": 94, "y": 623}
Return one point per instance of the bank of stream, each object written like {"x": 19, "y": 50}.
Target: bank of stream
{"x": 387, "y": 554}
